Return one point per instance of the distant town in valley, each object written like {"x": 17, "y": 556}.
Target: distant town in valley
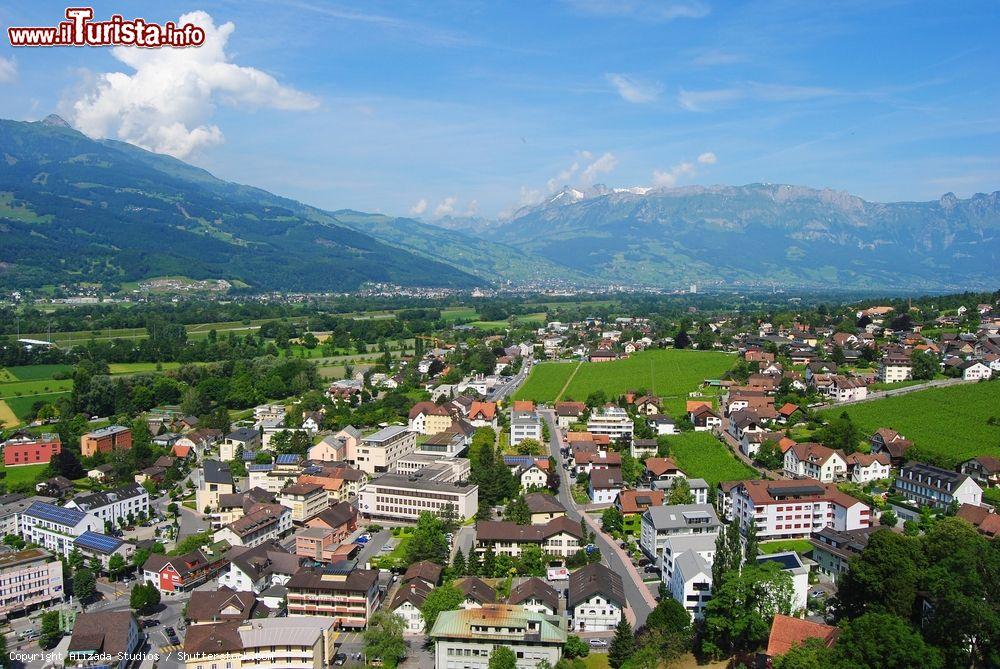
{"x": 411, "y": 477}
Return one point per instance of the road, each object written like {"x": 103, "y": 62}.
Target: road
{"x": 504, "y": 390}
{"x": 640, "y": 600}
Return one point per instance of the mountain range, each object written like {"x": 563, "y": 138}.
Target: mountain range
{"x": 75, "y": 209}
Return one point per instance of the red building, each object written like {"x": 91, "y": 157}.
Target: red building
{"x": 105, "y": 440}
{"x": 31, "y": 450}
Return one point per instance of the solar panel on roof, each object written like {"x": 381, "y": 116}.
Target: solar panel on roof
{"x": 55, "y": 514}
{"x": 288, "y": 459}
{"x": 98, "y": 542}
{"x": 259, "y": 468}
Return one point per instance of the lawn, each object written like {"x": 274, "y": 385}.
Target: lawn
{"x": 950, "y": 423}
{"x": 669, "y": 373}
{"x": 700, "y": 455}
{"x": 23, "y": 474}
{"x": 545, "y": 381}
{"x": 458, "y": 313}
{"x": 596, "y": 661}
{"x": 800, "y": 546}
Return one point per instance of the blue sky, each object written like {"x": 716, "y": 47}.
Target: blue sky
{"x": 443, "y": 107}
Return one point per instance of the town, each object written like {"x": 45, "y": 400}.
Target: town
{"x": 586, "y": 483}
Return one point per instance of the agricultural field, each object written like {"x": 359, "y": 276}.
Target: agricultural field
{"x": 700, "y": 455}
{"x": 41, "y": 386}
{"x": 668, "y": 373}
{"x": 952, "y": 422}
{"x": 458, "y": 313}
{"x": 546, "y": 381}
{"x": 36, "y": 372}
{"x": 536, "y": 318}
{"x": 140, "y": 367}
{"x": 21, "y": 406}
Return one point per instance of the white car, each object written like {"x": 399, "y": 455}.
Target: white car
{"x": 598, "y": 643}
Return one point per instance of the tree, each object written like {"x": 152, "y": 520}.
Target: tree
{"x": 428, "y": 541}
{"x": 575, "y": 647}
{"x": 84, "y": 585}
{"x": 769, "y": 455}
{"x": 738, "y": 617}
{"x": 728, "y": 555}
{"x": 750, "y": 548}
{"x": 144, "y": 598}
{"x": 384, "y": 639}
{"x": 458, "y": 567}
{"x": 840, "y": 433}
{"x": 812, "y": 654}
{"x": 51, "y": 632}
{"x": 888, "y": 518}
{"x": 502, "y": 657}
{"x": 611, "y": 520}
{"x": 682, "y": 339}
{"x": 925, "y": 365}
{"x": 882, "y": 641}
{"x": 622, "y": 646}
{"x": 680, "y": 492}
{"x": 116, "y": 565}
{"x": 882, "y": 579}
{"x": 517, "y": 511}
{"x": 532, "y": 562}
{"x": 445, "y": 597}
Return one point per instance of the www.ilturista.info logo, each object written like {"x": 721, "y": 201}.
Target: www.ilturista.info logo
{"x": 81, "y": 30}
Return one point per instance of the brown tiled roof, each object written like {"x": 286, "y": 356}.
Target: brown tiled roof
{"x": 335, "y": 516}
{"x": 866, "y": 459}
{"x": 259, "y": 516}
{"x": 210, "y": 605}
{"x": 482, "y": 410}
{"x": 637, "y": 501}
{"x": 660, "y": 466}
{"x": 594, "y": 579}
{"x": 214, "y": 639}
{"x": 570, "y": 409}
{"x": 302, "y": 488}
{"x": 524, "y": 405}
{"x": 425, "y": 570}
{"x": 787, "y": 632}
{"x": 502, "y": 530}
{"x": 535, "y": 588}
{"x": 604, "y": 479}
{"x": 477, "y": 590}
{"x": 540, "y": 502}
{"x": 415, "y": 592}
{"x": 182, "y": 564}
{"x": 311, "y": 578}
{"x": 105, "y": 632}
{"x": 427, "y": 408}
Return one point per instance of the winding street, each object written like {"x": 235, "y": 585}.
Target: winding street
{"x": 640, "y": 599}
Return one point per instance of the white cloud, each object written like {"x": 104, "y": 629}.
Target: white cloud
{"x": 603, "y": 165}
{"x": 418, "y": 208}
{"x": 472, "y": 209}
{"x": 633, "y": 90}
{"x": 8, "y": 70}
{"x": 167, "y": 103}
{"x": 701, "y": 100}
{"x": 445, "y": 207}
{"x": 564, "y": 177}
{"x": 671, "y": 176}
{"x": 647, "y": 10}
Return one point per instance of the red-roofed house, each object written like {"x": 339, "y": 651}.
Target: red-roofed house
{"x": 788, "y": 632}
{"x": 483, "y": 414}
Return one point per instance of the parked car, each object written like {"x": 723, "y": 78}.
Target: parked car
{"x": 817, "y": 592}
{"x": 171, "y": 635}
{"x": 339, "y": 659}
{"x": 598, "y": 643}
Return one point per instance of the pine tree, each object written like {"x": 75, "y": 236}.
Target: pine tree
{"x": 489, "y": 561}
{"x": 751, "y": 548}
{"x": 458, "y": 567}
{"x": 622, "y": 646}
{"x": 474, "y": 566}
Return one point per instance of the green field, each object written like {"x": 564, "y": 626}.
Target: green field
{"x": 458, "y": 313}
{"x": 700, "y": 455}
{"x": 545, "y": 381}
{"x": 23, "y": 474}
{"x": 522, "y": 319}
{"x": 21, "y": 406}
{"x": 948, "y": 422}
{"x": 38, "y": 372}
{"x": 669, "y": 373}
{"x": 20, "y": 388}
{"x": 137, "y": 367}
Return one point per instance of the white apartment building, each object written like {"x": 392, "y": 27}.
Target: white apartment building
{"x": 55, "y": 528}
{"x": 262, "y": 523}
{"x": 893, "y": 369}
{"x": 659, "y": 523}
{"x": 612, "y": 421}
{"x": 596, "y": 599}
{"x": 401, "y": 497}
{"x": 867, "y": 467}
{"x": 305, "y": 500}
{"x": 559, "y": 537}
{"x": 29, "y": 579}
{"x": 793, "y": 509}
{"x": 525, "y": 425}
{"x": 815, "y": 461}
{"x": 686, "y": 569}
{"x": 377, "y": 453}
{"x": 464, "y": 639}
{"x": 114, "y": 506}
{"x": 295, "y": 642}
